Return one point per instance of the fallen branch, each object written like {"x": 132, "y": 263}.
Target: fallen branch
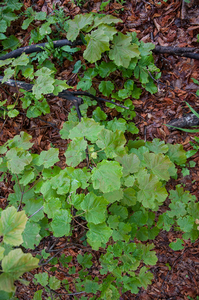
{"x": 189, "y": 120}
{"x": 68, "y": 95}
{"x": 38, "y": 48}
{"x": 178, "y": 51}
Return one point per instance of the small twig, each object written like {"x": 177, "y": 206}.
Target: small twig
{"x": 36, "y": 212}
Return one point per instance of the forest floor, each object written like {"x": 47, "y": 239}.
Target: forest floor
{"x": 171, "y": 23}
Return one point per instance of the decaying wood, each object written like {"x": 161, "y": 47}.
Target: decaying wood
{"x": 189, "y": 120}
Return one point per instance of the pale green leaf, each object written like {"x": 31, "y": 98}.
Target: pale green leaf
{"x": 54, "y": 283}
{"x": 88, "y": 128}
{"x": 122, "y": 51}
{"x": 79, "y": 22}
{"x": 98, "y": 42}
{"x": 12, "y": 224}
{"x": 75, "y": 152}
{"x": 158, "y": 164}
{"x": 95, "y": 208}
{"x": 22, "y": 60}
{"x": 42, "y": 278}
{"x": 157, "y": 146}
{"x": 59, "y": 86}
{"x": 106, "y": 176}
{"x": 112, "y": 142}
{"x": 48, "y": 158}
{"x": 130, "y": 163}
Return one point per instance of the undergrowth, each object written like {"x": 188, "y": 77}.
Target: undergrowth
{"x": 113, "y": 200}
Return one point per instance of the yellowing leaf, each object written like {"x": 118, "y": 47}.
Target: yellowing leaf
{"x": 14, "y": 265}
{"x": 12, "y": 224}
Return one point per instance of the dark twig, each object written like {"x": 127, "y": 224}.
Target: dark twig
{"x": 38, "y": 48}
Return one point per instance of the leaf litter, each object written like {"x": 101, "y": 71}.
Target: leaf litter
{"x": 165, "y": 23}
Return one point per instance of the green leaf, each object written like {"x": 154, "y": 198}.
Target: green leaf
{"x": 177, "y": 154}
{"x": 13, "y": 113}
{"x": 77, "y": 67}
{"x": 22, "y": 60}
{"x": 59, "y": 86}
{"x": 11, "y": 43}
{"x": 52, "y": 207}
{"x": 176, "y": 246}
{"x": 42, "y": 278}
{"x": 44, "y": 84}
{"x": 85, "y": 260}
{"x": 98, "y": 42}
{"x": 31, "y": 235}
{"x": 145, "y": 277}
{"x": 106, "y": 87}
{"x": 122, "y": 232}
{"x": 150, "y": 190}
{"x": 129, "y": 197}
{"x": 33, "y": 205}
{"x": 1, "y": 252}
{"x": 157, "y": 146}
{"x": 95, "y": 208}
{"x": 91, "y": 286}
{"x": 67, "y": 126}
{"x": 117, "y": 124}
{"x": 12, "y": 224}
{"x": 79, "y": 22}
{"x": 105, "y": 19}
{"x": 8, "y": 73}
{"x": 2, "y": 36}
{"x": 112, "y": 142}
{"x": 37, "y": 295}
{"x": 106, "y": 176}
{"x": 7, "y": 283}
{"x": 27, "y": 176}
{"x": 47, "y": 158}
{"x": 75, "y": 152}
{"x": 122, "y": 51}
{"x": 88, "y": 128}
{"x": 145, "y": 48}
{"x": 130, "y": 163}
{"x": 158, "y": 164}
{"x": 98, "y": 234}
{"x": 3, "y": 25}
{"x": 186, "y": 223}
{"x": 114, "y": 196}
{"x": 119, "y": 211}
{"x": 149, "y": 257}
{"x": 54, "y": 283}
{"x": 99, "y": 115}
{"x": 105, "y": 69}
{"x": 61, "y": 223}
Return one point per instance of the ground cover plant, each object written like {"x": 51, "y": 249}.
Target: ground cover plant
{"x": 106, "y": 195}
